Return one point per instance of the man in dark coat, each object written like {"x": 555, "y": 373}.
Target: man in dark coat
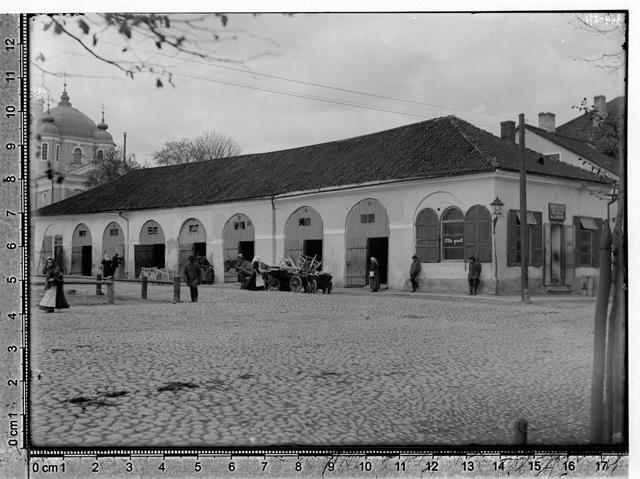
{"x": 475, "y": 268}
{"x": 192, "y": 277}
{"x": 414, "y": 271}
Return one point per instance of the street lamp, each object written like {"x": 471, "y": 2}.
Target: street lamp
{"x": 496, "y": 209}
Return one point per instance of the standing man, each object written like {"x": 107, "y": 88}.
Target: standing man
{"x": 192, "y": 277}
{"x": 475, "y": 268}
{"x": 414, "y": 271}
{"x": 115, "y": 264}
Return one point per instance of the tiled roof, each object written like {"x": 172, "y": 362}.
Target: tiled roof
{"x": 583, "y": 129}
{"x": 581, "y": 148}
{"x": 440, "y": 147}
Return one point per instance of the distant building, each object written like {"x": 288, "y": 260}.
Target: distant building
{"x": 65, "y": 140}
{"x": 585, "y": 142}
{"x": 424, "y": 188}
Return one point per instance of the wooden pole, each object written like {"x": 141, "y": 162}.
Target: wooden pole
{"x": 520, "y": 430}
{"x": 98, "y": 285}
{"x": 176, "y": 289}
{"x": 600, "y": 335}
{"x": 524, "y": 226}
{"x": 143, "y": 287}
{"x": 110, "y": 292}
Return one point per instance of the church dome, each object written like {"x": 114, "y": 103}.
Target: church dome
{"x": 48, "y": 126}
{"x": 101, "y": 134}
{"x": 70, "y": 121}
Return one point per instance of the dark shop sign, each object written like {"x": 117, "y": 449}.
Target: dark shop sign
{"x": 557, "y": 212}
{"x": 453, "y": 240}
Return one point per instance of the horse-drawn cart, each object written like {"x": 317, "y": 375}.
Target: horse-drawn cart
{"x": 299, "y": 276}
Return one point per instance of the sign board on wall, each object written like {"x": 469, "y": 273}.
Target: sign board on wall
{"x": 557, "y": 212}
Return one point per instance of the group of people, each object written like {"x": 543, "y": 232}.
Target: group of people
{"x": 53, "y": 287}
{"x": 110, "y": 265}
{"x": 473, "y": 277}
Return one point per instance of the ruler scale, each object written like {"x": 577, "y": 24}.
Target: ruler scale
{"x": 20, "y": 459}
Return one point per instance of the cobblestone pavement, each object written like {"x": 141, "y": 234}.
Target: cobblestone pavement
{"x": 243, "y": 368}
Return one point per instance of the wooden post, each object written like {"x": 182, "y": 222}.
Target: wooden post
{"x": 176, "y": 289}
{"x": 110, "y": 292}
{"x": 98, "y": 285}
{"x": 143, "y": 287}
{"x": 520, "y": 432}
{"x": 524, "y": 225}
{"x": 600, "y": 335}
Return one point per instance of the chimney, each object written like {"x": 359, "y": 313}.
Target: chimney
{"x": 547, "y": 121}
{"x": 600, "y": 109}
{"x": 508, "y": 130}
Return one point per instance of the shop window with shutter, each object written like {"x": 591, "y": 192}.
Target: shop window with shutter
{"x": 428, "y": 236}
{"x": 477, "y": 234}
{"x": 587, "y": 241}
{"x": 514, "y": 243}
{"x": 452, "y": 234}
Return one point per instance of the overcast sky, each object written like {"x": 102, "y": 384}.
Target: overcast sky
{"x": 483, "y": 68}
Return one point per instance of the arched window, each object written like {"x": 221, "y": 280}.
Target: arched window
{"x": 44, "y": 151}
{"x": 57, "y": 153}
{"x": 44, "y": 198}
{"x": 477, "y": 234}
{"x": 77, "y": 154}
{"x": 428, "y": 236}
{"x": 452, "y": 234}
{"x": 99, "y": 154}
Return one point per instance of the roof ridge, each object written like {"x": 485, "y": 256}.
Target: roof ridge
{"x": 456, "y": 122}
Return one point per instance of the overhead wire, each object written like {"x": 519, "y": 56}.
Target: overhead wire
{"x": 303, "y": 95}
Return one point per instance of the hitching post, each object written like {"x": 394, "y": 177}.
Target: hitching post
{"x": 176, "y": 289}
{"x": 520, "y": 432}
{"x": 110, "y": 292}
{"x": 98, "y": 285}
{"x": 143, "y": 287}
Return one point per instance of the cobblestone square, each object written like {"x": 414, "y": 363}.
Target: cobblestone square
{"x": 243, "y": 368}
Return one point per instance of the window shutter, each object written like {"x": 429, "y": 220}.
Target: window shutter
{"x": 512, "y": 238}
{"x": 595, "y": 244}
{"x": 470, "y": 235}
{"x": 547, "y": 254}
{"x": 569, "y": 232}
{"x": 433, "y": 238}
{"x": 536, "y": 240}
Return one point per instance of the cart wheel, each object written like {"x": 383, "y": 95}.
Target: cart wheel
{"x": 295, "y": 283}
{"x": 312, "y": 286}
{"x": 274, "y": 284}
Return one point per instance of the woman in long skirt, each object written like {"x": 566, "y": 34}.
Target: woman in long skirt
{"x": 374, "y": 275}
{"x": 53, "y": 288}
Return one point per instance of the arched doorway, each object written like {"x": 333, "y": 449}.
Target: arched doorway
{"x": 149, "y": 253}
{"x": 81, "y": 246}
{"x": 367, "y": 235}
{"x": 112, "y": 243}
{"x": 238, "y": 236}
{"x": 191, "y": 241}
{"x": 303, "y": 234}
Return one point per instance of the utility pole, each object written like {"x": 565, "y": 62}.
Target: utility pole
{"x": 124, "y": 152}
{"x": 524, "y": 224}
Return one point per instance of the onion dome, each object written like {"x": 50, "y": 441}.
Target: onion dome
{"x": 102, "y": 135}
{"x": 48, "y": 126}
{"x": 72, "y": 122}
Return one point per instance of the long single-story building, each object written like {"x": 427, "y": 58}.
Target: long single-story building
{"x": 424, "y": 188}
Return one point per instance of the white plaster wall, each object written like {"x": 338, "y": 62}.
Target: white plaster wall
{"x": 402, "y": 200}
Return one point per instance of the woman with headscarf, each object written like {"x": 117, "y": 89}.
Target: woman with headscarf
{"x": 107, "y": 268}
{"x": 53, "y": 287}
{"x": 374, "y": 274}
{"x": 256, "y": 282}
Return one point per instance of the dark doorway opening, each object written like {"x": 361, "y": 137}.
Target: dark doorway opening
{"x": 86, "y": 261}
{"x": 246, "y": 249}
{"x": 148, "y": 256}
{"x": 311, "y": 248}
{"x": 200, "y": 249}
{"x": 379, "y": 249}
